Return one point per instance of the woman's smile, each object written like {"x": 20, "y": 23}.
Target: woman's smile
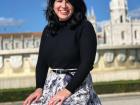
{"x": 63, "y": 9}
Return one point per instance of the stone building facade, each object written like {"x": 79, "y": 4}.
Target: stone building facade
{"x": 121, "y": 29}
{"x": 19, "y": 41}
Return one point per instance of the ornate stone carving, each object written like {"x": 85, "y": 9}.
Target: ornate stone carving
{"x": 109, "y": 56}
{"x": 33, "y": 60}
{"x": 1, "y": 62}
{"x": 96, "y": 58}
{"x": 121, "y": 56}
{"x": 16, "y": 62}
{"x": 132, "y": 55}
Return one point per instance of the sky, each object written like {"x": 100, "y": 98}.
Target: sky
{"x": 28, "y": 15}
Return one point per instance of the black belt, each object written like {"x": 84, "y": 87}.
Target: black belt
{"x": 67, "y": 72}
{"x": 63, "y": 71}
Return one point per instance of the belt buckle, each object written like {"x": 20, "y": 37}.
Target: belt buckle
{"x": 61, "y": 71}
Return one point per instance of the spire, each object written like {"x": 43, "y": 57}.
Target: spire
{"x": 88, "y": 13}
{"x": 92, "y": 11}
{"x": 91, "y": 17}
{"x": 118, "y": 4}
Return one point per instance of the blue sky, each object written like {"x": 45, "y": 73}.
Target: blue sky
{"x": 28, "y": 15}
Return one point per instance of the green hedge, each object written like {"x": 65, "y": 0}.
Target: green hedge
{"x": 14, "y": 94}
{"x": 117, "y": 86}
{"x": 100, "y": 88}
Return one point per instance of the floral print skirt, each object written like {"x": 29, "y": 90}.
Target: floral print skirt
{"x": 84, "y": 95}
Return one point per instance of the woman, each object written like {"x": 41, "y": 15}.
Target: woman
{"x": 68, "y": 48}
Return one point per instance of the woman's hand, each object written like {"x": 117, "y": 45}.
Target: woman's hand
{"x": 59, "y": 97}
{"x": 33, "y": 97}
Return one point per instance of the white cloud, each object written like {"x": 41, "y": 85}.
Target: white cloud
{"x": 135, "y": 13}
{"x": 10, "y": 22}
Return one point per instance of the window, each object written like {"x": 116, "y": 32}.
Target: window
{"x": 121, "y": 19}
{"x": 104, "y": 37}
{"x": 135, "y": 34}
{"x": 122, "y": 35}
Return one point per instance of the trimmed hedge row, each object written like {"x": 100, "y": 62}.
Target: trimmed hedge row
{"x": 117, "y": 86}
{"x": 100, "y": 88}
{"x": 9, "y": 95}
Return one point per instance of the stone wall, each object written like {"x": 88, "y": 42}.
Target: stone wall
{"x": 117, "y": 63}
{"x": 17, "y": 67}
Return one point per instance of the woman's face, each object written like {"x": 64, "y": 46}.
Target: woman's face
{"x": 63, "y": 9}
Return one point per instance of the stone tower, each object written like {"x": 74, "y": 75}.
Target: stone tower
{"x": 118, "y": 10}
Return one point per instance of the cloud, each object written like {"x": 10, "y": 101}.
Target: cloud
{"x": 10, "y": 22}
{"x": 135, "y": 13}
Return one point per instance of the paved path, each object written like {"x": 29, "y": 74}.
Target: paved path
{"x": 121, "y": 99}
{"x": 108, "y": 99}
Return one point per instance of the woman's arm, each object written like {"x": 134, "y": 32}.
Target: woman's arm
{"x": 41, "y": 67}
{"x": 88, "y": 46}
{"x": 41, "y": 72}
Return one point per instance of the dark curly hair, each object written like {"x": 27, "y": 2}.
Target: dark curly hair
{"x": 77, "y": 17}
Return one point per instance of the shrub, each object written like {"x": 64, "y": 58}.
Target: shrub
{"x": 100, "y": 88}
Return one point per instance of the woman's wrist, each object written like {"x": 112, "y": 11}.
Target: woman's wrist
{"x": 67, "y": 91}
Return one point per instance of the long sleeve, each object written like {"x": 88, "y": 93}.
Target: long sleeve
{"x": 41, "y": 67}
{"x": 88, "y": 46}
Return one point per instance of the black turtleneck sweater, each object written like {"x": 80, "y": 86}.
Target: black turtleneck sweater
{"x": 67, "y": 49}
